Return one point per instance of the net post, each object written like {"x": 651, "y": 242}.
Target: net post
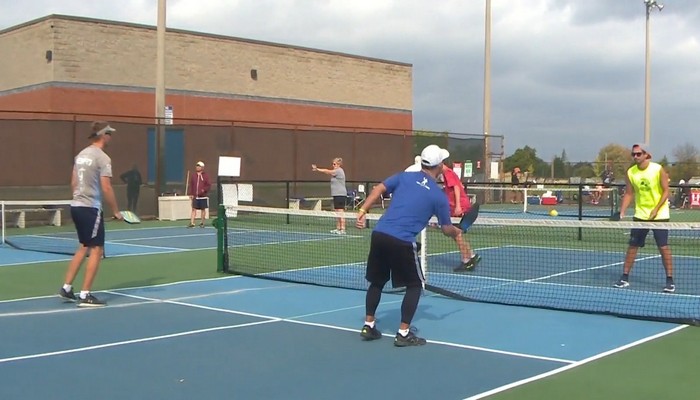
{"x": 287, "y": 187}
{"x": 525, "y": 200}
{"x": 219, "y": 190}
{"x": 580, "y": 210}
{"x": 221, "y": 244}
{"x": 2, "y": 211}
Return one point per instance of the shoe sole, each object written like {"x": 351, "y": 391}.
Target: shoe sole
{"x": 408, "y": 344}
{"x": 468, "y": 268}
{"x": 669, "y": 290}
{"x": 66, "y": 299}
{"x": 91, "y": 305}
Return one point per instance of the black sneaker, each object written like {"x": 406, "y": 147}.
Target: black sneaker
{"x": 91, "y": 301}
{"x": 67, "y": 295}
{"x": 368, "y": 333}
{"x": 621, "y": 284}
{"x": 408, "y": 340}
{"x": 670, "y": 287}
{"x": 469, "y": 265}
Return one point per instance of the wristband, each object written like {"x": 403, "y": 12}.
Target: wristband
{"x": 362, "y": 210}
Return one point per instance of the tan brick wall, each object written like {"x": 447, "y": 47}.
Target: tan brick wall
{"x": 23, "y": 56}
{"x": 119, "y": 54}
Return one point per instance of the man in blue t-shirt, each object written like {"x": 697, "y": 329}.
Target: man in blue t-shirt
{"x": 393, "y": 252}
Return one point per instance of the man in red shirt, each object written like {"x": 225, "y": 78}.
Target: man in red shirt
{"x": 459, "y": 204}
{"x": 198, "y": 190}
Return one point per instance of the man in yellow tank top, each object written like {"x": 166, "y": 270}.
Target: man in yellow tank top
{"x": 647, "y": 185}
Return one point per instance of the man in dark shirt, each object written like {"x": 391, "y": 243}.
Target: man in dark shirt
{"x": 133, "y": 181}
{"x": 515, "y": 182}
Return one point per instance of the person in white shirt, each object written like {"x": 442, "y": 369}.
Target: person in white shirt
{"x": 415, "y": 167}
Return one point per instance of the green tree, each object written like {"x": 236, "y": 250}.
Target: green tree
{"x": 687, "y": 162}
{"x": 615, "y": 156}
{"x": 583, "y": 170}
{"x": 526, "y": 159}
{"x": 562, "y": 166}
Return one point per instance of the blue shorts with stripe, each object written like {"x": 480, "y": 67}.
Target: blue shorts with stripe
{"x": 90, "y": 226}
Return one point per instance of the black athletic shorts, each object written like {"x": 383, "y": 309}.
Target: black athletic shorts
{"x": 200, "y": 204}
{"x": 339, "y": 202}
{"x": 90, "y": 226}
{"x": 392, "y": 258}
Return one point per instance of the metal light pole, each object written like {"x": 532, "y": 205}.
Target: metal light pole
{"x": 487, "y": 92}
{"x": 160, "y": 100}
{"x": 650, "y": 5}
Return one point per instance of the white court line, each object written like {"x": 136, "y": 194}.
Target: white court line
{"x": 126, "y": 342}
{"x": 67, "y": 257}
{"x": 174, "y": 249}
{"x": 268, "y": 319}
{"x": 574, "y": 365}
{"x": 573, "y": 271}
{"x": 72, "y": 232}
{"x": 295, "y": 320}
{"x": 144, "y": 302}
{"x": 448, "y": 344}
{"x": 133, "y": 287}
{"x": 160, "y": 237}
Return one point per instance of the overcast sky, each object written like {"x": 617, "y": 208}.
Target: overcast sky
{"x": 566, "y": 74}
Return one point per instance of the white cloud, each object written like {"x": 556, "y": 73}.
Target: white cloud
{"x": 566, "y": 74}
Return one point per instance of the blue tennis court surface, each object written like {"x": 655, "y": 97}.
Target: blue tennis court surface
{"x": 239, "y": 337}
{"x": 248, "y": 338}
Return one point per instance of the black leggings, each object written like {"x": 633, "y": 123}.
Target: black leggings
{"x": 408, "y": 306}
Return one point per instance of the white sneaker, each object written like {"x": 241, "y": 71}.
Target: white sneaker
{"x": 341, "y": 232}
{"x": 335, "y": 231}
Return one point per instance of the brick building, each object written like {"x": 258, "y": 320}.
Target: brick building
{"x": 68, "y": 64}
{"x": 278, "y": 106}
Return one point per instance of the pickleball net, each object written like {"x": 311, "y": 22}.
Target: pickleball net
{"x": 555, "y": 264}
{"x": 16, "y": 215}
{"x": 595, "y": 202}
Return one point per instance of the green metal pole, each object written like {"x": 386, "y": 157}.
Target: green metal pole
{"x": 220, "y": 238}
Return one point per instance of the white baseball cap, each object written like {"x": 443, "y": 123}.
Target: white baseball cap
{"x": 433, "y": 155}
{"x": 200, "y": 164}
{"x": 644, "y": 147}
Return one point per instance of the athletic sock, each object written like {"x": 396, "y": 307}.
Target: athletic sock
{"x": 67, "y": 287}
{"x": 84, "y": 294}
{"x": 403, "y": 332}
{"x": 370, "y": 324}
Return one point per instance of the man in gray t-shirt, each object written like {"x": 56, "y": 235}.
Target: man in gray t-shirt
{"x": 91, "y": 165}
{"x": 90, "y": 181}
{"x": 338, "y": 190}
